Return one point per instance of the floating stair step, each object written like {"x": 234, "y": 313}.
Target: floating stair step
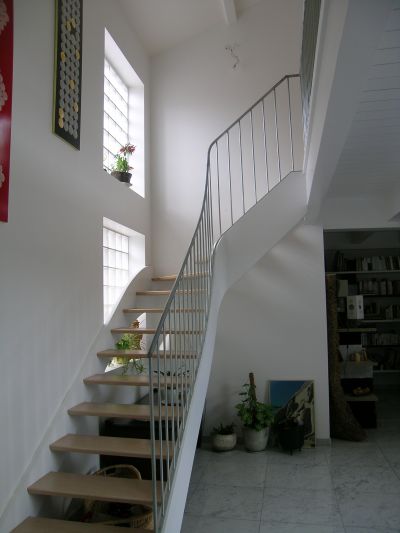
{"x": 167, "y": 293}
{"x": 171, "y": 277}
{"x": 140, "y": 310}
{"x": 97, "y": 444}
{"x": 51, "y": 525}
{"x": 130, "y": 329}
{"x": 132, "y": 354}
{"x": 174, "y": 276}
{"x": 125, "y": 379}
{"x": 153, "y": 293}
{"x": 106, "y": 489}
{"x": 157, "y": 310}
{"x": 116, "y": 410}
{"x": 151, "y": 331}
{"x": 138, "y": 354}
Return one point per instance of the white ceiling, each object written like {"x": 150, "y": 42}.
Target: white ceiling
{"x": 370, "y": 160}
{"x": 162, "y": 24}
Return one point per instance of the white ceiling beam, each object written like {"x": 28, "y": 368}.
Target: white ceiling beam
{"x": 229, "y": 11}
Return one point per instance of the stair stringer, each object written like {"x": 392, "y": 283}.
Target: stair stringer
{"x": 237, "y": 251}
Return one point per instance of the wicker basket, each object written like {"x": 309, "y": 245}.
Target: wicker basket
{"x": 118, "y": 514}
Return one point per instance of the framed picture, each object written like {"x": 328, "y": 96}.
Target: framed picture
{"x": 68, "y": 71}
{"x": 6, "y": 75}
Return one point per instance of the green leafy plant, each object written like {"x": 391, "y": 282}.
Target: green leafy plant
{"x": 121, "y": 158}
{"x": 229, "y": 429}
{"x": 254, "y": 414}
{"x": 130, "y": 341}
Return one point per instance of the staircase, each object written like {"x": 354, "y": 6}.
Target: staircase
{"x": 91, "y": 487}
{"x": 245, "y": 182}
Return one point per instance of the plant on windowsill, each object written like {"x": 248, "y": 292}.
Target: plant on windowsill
{"x": 223, "y": 438}
{"x": 256, "y": 418}
{"x": 121, "y": 166}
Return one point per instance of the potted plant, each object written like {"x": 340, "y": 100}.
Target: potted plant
{"x": 256, "y": 417}
{"x": 130, "y": 341}
{"x": 223, "y": 438}
{"x": 121, "y": 166}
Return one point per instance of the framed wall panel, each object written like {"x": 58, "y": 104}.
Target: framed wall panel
{"x": 68, "y": 71}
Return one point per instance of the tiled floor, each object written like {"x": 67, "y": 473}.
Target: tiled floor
{"x": 346, "y": 488}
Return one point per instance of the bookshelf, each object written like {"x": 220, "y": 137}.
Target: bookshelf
{"x": 374, "y": 275}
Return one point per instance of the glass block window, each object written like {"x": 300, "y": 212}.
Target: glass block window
{"x": 115, "y": 268}
{"x": 116, "y": 115}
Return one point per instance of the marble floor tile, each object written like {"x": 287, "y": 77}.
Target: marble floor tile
{"x": 201, "y": 460}
{"x": 314, "y": 456}
{"x": 364, "y": 454}
{"x": 242, "y": 503}
{"x": 370, "y": 530}
{"x": 360, "y": 509}
{"x": 392, "y": 454}
{"x": 195, "y": 524}
{"x": 239, "y": 469}
{"x": 276, "y": 527}
{"x": 365, "y": 479}
{"x": 301, "y": 507}
{"x": 315, "y": 477}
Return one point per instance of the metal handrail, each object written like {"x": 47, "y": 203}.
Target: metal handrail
{"x": 264, "y": 136}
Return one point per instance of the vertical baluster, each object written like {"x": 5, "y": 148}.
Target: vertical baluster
{"x": 277, "y": 138}
{"x": 253, "y": 155}
{"x": 210, "y": 201}
{"x": 160, "y": 424}
{"x": 241, "y": 164}
{"x": 153, "y": 442}
{"x": 192, "y": 322}
{"x": 265, "y": 145}
{"x": 219, "y": 192}
{"x": 290, "y": 123}
{"x": 230, "y": 177}
{"x": 193, "y": 317}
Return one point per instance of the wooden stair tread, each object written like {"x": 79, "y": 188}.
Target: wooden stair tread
{"x": 106, "y": 489}
{"x": 51, "y": 525}
{"x": 138, "y": 354}
{"x": 116, "y": 410}
{"x": 130, "y": 329}
{"x": 98, "y": 444}
{"x": 170, "y": 277}
{"x": 158, "y": 310}
{"x": 151, "y": 331}
{"x": 153, "y": 293}
{"x": 144, "y": 310}
{"x": 125, "y": 379}
{"x": 166, "y": 292}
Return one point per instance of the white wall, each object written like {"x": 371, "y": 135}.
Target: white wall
{"x": 51, "y": 257}
{"x": 273, "y": 323}
{"x": 195, "y": 96}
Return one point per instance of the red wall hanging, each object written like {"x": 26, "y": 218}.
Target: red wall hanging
{"x": 6, "y": 74}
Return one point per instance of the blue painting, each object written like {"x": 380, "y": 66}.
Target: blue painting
{"x": 280, "y": 392}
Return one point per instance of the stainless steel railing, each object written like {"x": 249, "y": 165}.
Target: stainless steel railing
{"x": 243, "y": 164}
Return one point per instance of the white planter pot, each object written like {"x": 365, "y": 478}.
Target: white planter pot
{"x": 223, "y": 443}
{"x": 255, "y": 441}
{"x": 169, "y": 397}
